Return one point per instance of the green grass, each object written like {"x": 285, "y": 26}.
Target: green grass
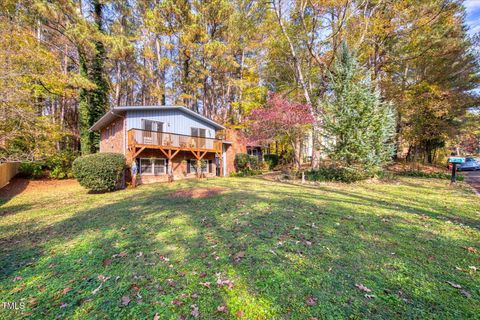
{"x": 279, "y": 244}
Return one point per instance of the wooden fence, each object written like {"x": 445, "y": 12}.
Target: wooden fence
{"x": 7, "y": 171}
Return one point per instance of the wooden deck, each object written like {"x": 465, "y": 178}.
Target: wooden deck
{"x": 171, "y": 143}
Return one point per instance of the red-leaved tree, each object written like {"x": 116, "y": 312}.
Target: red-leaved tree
{"x": 281, "y": 119}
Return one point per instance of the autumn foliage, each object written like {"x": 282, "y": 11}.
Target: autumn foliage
{"x": 283, "y": 119}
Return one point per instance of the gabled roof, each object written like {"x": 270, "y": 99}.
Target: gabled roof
{"x": 116, "y": 112}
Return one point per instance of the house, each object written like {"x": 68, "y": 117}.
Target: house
{"x": 168, "y": 141}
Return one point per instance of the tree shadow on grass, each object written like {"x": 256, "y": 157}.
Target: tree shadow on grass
{"x": 295, "y": 245}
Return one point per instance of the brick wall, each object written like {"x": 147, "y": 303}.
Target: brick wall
{"x": 113, "y": 142}
{"x": 238, "y": 145}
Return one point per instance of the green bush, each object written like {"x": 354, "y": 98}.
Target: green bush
{"x": 60, "y": 164}
{"x": 245, "y": 162}
{"x": 245, "y": 173}
{"x": 99, "y": 172}
{"x": 431, "y": 175}
{"x": 32, "y": 170}
{"x": 271, "y": 160}
{"x": 340, "y": 174}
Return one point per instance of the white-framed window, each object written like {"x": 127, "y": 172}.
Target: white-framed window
{"x": 198, "y": 132}
{"x": 252, "y": 152}
{"x": 153, "y": 166}
{"x": 193, "y": 166}
{"x": 151, "y": 125}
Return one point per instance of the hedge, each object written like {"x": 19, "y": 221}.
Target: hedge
{"x": 340, "y": 174}
{"x": 99, "y": 172}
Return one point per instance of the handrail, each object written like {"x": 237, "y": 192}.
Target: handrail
{"x": 173, "y": 140}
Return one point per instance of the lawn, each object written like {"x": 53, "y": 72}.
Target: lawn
{"x": 243, "y": 248}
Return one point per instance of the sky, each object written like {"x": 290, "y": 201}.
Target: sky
{"x": 473, "y": 15}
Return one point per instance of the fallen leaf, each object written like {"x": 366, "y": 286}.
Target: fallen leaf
{"x": 311, "y": 301}
{"x": 156, "y": 317}
{"x": 17, "y": 278}
{"x": 225, "y": 282}
{"x": 102, "y": 278}
{"x": 470, "y": 249}
{"x": 134, "y": 287}
{"x": 237, "y": 257}
{"x": 454, "y": 285}
{"x": 176, "y": 302}
{"x": 205, "y": 284}
{"x": 362, "y": 287}
{"x": 222, "y": 308}
{"x": 171, "y": 283}
{"x": 195, "y": 313}
{"x": 121, "y": 254}
{"x": 106, "y": 262}
{"x": 203, "y": 275}
{"x": 125, "y": 300}
{"x": 67, "y": 290}
{"x": 369, "y": 296}
{"x": 239, "y": 314}
{"x": 466, "y": 293}
{"x": 63, "y": 305}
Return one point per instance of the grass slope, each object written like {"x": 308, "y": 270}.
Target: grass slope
{"x": 291, "y": 252}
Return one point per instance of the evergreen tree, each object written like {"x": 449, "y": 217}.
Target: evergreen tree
{"x": 357, "y": 123}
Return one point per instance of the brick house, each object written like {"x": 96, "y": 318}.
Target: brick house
{"x": 167, "y": 142}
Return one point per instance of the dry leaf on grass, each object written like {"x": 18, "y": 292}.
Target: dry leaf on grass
{"x": 222, "y": 308}
{"x": 311, "y": 301}
{"x": 125, "y": 300}
{"x": 156, "y": 317}
{"x": 195, "y": 313}
{"x": 362, "y": 287}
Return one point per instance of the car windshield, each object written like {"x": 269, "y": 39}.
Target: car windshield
{"x": 469, "y": 159}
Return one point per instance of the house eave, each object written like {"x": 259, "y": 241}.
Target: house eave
{"x": 116, "y": 111}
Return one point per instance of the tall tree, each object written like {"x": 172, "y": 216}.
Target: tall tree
{"x": 94, "y": 102}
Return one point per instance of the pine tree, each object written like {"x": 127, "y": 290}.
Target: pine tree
{"x": 357, "y": 123}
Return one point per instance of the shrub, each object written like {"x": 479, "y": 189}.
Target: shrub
{"x": 99, "y": 172}
{"x": 32, "y": 170}
{"x": 245, "y": 162}
{"x": 431, "y": 175}
{"x": 60, "y": 164}
{"x": 271, "y": 160}
{"x": 340, "y": 174}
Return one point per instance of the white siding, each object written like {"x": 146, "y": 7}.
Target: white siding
{"x": 175, "y": 121}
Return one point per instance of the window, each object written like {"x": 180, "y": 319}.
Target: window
{"x": 198, "y": 132}
{"x": 153, "y": 166}
{"x": 150, "y": 125}
{"x": 206, "y": 169}
{"x": 252, "y": 152}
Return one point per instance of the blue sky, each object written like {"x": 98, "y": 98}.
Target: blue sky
{"x": 473, "y": 15}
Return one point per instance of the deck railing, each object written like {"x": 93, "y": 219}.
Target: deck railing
{"x": 141, "y": 137}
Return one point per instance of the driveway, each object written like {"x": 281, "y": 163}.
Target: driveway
{"x": 473, "y": 178}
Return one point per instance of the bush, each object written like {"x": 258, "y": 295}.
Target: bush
{"x": 340, "y": 174}
{"x": 60, "y": 164}
{"x": 32, "y": 170}
{"x": 245, "y": 162}
{"x": 99, "y": 172}
{"x": 271, "y": 160}
{"x": 431, "y": 175}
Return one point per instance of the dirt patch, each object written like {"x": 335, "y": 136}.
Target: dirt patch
{"x": 197, "y": 193}
{"x": 21, "y": 185}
